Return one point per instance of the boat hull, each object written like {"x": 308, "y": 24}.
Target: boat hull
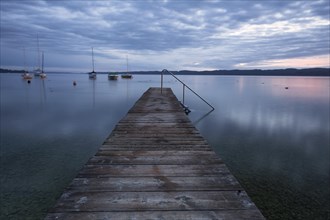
{"x": 112, "y": 77}
{"x": 126, "y": 76}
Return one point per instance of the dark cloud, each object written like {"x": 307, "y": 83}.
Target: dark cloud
{"x": 165, "y": 34}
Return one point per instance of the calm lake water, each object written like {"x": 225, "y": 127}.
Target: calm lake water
{"x": 274, "y": 140}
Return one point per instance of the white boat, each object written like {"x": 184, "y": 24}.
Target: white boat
{"x": 112, "y": 76}
{"x": 26, "y": 74}
{"x": 92, "y": 75}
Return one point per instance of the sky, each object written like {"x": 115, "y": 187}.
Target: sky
{"x": 165, "y": 34}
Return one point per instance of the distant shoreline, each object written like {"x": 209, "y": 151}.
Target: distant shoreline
{"x": 256, "y": 72}
{"x": 277, "y": 72}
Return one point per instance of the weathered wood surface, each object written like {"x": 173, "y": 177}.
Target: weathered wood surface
{"x": 155, "y": 165}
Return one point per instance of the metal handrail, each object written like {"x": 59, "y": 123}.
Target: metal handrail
{"x": 183, "y": 89}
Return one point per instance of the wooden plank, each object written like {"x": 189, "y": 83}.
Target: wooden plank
{"x": 175, "y": 138}
{"x": 151, "y": 133}
{"x": 152, "y": 170}
{"x": 169, "y": 125}
{"x": 73, "y": 201}
{"x": 140, "y": 157}
{"x": 155, "y": 148}
{"x": 157, "y": 183}
{"x": 158, "y": 116}
{"x": 168, "y": 215}
{"x": 163, "y": 141}
{"x": 147, "y": 160}
{"x": 154, "y": 135}
{"x": 159, "y": 153}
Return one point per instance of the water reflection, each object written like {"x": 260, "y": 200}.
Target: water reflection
{"x": 241, "y": 82}
{"x": 276, "y": 141}
{"x": 93, "y": 82}
{"x": 202, "y": 117}
{"x": 274, "y": 137}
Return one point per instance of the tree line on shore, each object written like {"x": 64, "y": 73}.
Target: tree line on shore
{"x": 254, "y": 72}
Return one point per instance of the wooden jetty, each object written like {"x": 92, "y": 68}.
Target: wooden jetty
{"x": 155, "y": 165}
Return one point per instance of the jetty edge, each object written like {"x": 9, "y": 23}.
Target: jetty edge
{"x": 155, "y": 165}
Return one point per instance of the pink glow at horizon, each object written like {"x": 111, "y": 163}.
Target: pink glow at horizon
{"x": 301, "y": 62}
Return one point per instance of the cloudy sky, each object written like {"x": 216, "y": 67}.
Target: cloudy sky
{"x": 171, "y": 34}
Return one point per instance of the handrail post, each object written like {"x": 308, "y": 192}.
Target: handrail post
{"x": 183, "y": 85}
{"x": 161, "y": 82}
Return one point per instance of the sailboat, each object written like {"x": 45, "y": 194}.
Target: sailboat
{"x": 42, "y": 74}
{"x": 92, "y": 75}
{"x": 127, "y": 75}
{"x": 26, "y": 74}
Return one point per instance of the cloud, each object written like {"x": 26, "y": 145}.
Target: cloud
{"x": 306, "y": 62}
{"x": 165, "y": 34}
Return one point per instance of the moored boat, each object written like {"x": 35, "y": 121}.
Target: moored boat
{"x": 92, "y": 75}
{"x": 112, "y": 76}
{"x": 26, "y": 76}
{"x": 126, "y": 76}
{"x": 42, "y": 74}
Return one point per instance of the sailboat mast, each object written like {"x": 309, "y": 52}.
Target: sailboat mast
{"x": 38, "y": 51}
{"x": 127, "y": 63}
{"x": 42, "y": 64}
{"x": 93, "y": 58}
{"x": 24, "y": 60}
